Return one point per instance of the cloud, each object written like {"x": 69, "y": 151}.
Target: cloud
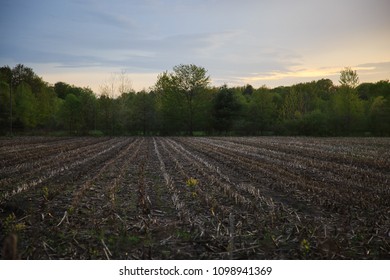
{"x": 252, "y": 41}
{"x": 278, "y": 75}
{"x": 368, "y": 72}
{"x": 376, "y": 67}
{"x": 374, "y": 71}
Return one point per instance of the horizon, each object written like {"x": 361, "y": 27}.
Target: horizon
{"x": 114, "y": 78}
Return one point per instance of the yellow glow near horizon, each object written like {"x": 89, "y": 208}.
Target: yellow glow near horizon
{"x": 314, "y": 73}
{"x": 95, "y": 79}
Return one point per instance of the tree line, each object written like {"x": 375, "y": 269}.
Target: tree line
{"x": 182, "y": 102}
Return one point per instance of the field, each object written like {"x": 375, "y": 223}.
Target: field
{"x": 196, "y": 198}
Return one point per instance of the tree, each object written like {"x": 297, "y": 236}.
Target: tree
{"x": 182, "y": 102}
{"x": 261, "y": 111}
{"x": 347, "y": 108}
{"x": 4, "y": 107}
{"x": 203, "y": 104}
{"x": 21, "y": 73}
{"x": 349, "y": 78}
{"x": 88, "y": 112}
{"x": 248, "y": 90}
{"x": 6, "y": 74}
{"x": 379, "y": 116}
{"x": 117, "y": 84}
{"x": 143, "y": 114}
{"x": 125, "y": 84}
{"x": 347, "y": 111}
{"x": 47, "y": 107}
{"x": 315, "y": 123}
{"x": 62, "y": 89}
{"x": 106, "y": 112}
{"x": 225, "y": 109}
{"x": 25, "y": 106}
{"x": 189, "y": 80}
{"x": 6, "y": 77}
{"x": 170, "y": 105}
{"x": 293, "y": 105}
{"x": 178, "y": 93}
{"x": 71, "y": 113}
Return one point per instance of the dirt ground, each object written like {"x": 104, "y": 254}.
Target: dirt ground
{"x": 195, "y": 198}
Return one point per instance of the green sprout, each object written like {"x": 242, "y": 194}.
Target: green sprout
{"x": 45, "y": 192}
{"x": 305, "y": 246}
{"x": 11, "y": 225}
{"x": 192, "y": 182}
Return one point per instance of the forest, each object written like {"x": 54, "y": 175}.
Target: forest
{"x": 183, "y": 102}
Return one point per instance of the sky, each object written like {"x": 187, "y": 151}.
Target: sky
{"x": 260, "y": 42}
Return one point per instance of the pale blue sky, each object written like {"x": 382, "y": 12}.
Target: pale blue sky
{"x": 258, "y": 42}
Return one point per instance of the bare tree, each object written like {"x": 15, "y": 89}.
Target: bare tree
{"x": 125, "y": 84}
{"x": 117, "y": 84}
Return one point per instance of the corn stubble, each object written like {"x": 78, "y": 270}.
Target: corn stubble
{"x": 195, "y": 198}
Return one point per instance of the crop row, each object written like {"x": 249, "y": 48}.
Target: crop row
{"x": 177, "y": 197}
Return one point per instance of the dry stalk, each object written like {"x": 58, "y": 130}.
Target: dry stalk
{"x": 63, "y": 218}
{"x": 107, "y": 251}
{"x": 231, "y": 235}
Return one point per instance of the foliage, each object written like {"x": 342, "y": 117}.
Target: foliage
{"x": 71, "y": 113}
{"x": 349, "y": 78}
{"x": 379, "y": 116}
{"x": 181, "y": 89}
{"x": 262, "y": 111}
{"x": 182, "y": 102}
{"x": 347, "y": 111}
{"x": 225, "y": 108}
{"x": 4, "y": 106}
{"x": 25, "y": 106}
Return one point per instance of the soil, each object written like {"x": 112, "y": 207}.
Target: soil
{"x": 195, "y": 198}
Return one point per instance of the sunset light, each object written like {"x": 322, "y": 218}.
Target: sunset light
{"x": 285, "y": 42}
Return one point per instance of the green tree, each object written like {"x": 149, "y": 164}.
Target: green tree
{"x": 6, "y": 74}
{"x": 324, "y": 88}
{"x": 105, "y": 114}
{"x": 293, "y": 105}
{"x": 6, "y": 79}
{"x": 62, "y": 89}
{"x": 47, "y": 107}
{"x": 144, "y": 114}
{"x": 172, "y": 110}
{"x": 225, "y": 109}
{"x": 181, "y": 89}
{"x": 315, "y": 123}
{"x": 171, "y": 105}
{"x": 347, "y": 111}
{"x": 4, "y": 107}
{"x": 379, "y": 116}
{"x": 71, "y": 113}
{"x": 347, "y": 108}
{"x": 349, "y": 78}
{"x": 126, "y": 109}
{"x": 21, "y": 73}
{"x": 261, "y": 111}
{"x": 189, "y": 80}
{"x": 248, "y": 90}
{"x": 88, "y": 112}
{"x": 25, "y": 106}
{"x": 203, "y": 104}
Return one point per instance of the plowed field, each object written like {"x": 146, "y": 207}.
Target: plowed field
{"x": 196, "y": 198}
